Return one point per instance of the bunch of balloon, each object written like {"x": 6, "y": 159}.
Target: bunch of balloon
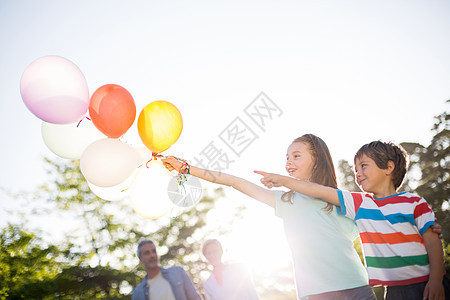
{"x": 159, "y": 126}
{"x": 55, "y": 90}
{"x": 109, "y": 164}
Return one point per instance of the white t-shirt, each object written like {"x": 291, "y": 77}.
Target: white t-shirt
{"x": 160, "y": 288}
{"x": 236, "y": 285}
{"x": 321, "y": 244}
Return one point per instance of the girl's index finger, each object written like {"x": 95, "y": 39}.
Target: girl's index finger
{"x": 261, "y": 173}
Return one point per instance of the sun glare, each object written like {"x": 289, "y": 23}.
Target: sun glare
{"x": 257, "y": 240}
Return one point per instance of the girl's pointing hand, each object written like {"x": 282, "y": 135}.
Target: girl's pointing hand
{"x": 270, "y": 180}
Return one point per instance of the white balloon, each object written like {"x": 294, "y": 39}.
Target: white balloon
{"x": 113, "y": 193}
{"x": 70, "y": 140}
{"x": 148, "y": 192}
{"x": 109, "y": 162}
{"x": 144, "y": 153}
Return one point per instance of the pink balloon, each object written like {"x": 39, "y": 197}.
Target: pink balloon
{"x": 55, "y": 90}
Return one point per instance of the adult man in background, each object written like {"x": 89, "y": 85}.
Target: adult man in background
{"x": 160, "y": 283}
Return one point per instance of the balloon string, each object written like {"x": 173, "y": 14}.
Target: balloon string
{"x": 185, "y": 168}
{"x": 154, "y": 157}
{"x": 82, "y": 120}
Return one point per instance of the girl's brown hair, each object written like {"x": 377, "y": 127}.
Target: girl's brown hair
{"x": 323, "y": 170}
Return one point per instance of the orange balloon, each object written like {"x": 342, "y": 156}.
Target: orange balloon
{"x": 112, "y": 110}
{"x": 159, "y": 125}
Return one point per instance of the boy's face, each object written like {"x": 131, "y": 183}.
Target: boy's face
{"x": 369, "y": 176}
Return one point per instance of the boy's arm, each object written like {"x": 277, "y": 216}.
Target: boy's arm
{"x": 250, "y": 189}
{"x": 434, "y": 288}
{"x": 304, "y": 187}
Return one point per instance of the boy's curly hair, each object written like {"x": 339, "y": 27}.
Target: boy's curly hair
{"x": 381, "y": 153}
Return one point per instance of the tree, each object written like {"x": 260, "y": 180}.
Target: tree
{"x": 32, "y": 269}
{"x": 346, "y": 176}
{"x": 433, "y": 164}
{"x": 98, "y": 259}
{"x": 26, "y": 265}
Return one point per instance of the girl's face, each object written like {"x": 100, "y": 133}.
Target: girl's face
{"x": 300, "y": 162}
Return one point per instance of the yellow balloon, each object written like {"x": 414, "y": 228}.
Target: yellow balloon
{"x": 160, "y": 125}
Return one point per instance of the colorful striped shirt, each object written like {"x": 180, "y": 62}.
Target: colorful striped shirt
{"x": 391, "y": 231}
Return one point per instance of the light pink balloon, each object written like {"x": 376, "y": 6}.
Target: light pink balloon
{"x": 55, "y": 90}
{"x": 109, "y": 162}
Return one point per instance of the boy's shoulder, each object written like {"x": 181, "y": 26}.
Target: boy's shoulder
{"x": 402, "y": 197}
{"x": 408, "y": 197}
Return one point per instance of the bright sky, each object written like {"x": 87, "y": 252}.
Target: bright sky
{"x": 348, "y": 71}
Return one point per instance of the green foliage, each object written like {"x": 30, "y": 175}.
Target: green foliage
{"x": 433, "y": 162}
{"x": 346, "y": 176}
{"x": 446, "y": 246}
{"x": 102, "y": 227}
{"x": 26, "y": 266}
{"x": 30, "y": 271}
{"x": 79, "y": 282}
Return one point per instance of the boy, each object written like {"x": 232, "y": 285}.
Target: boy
{"x": 401, "y": 252}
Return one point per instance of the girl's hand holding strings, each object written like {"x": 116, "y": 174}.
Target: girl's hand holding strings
{"x": 171, "y": 163}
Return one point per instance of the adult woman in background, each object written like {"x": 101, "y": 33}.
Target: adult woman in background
{"x": 227, "y": 281}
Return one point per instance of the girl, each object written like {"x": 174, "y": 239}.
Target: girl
{"x": 227, "y": 281}
{"x": 319, "y": 272}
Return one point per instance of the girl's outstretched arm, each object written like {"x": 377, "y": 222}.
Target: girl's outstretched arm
{"x": 250, "y": 189}
{"x": 304, "y": 187}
